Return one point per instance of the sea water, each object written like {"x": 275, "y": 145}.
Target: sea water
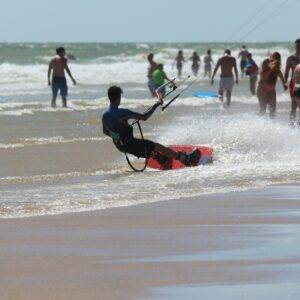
{"x": 57, "y": 160}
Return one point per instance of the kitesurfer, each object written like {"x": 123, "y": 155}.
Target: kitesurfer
{"x": 115, "y": 125}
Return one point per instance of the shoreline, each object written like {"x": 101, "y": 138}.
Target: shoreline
{"x": 158, "y": 250}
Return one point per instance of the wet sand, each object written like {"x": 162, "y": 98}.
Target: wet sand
{"x": 234, "y": 246}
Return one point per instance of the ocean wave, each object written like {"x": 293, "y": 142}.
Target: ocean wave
{"x": 41, "y": 141}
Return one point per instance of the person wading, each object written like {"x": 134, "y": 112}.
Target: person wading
{"x": 227, "y": 63}
{"x": 291, "y": 64}
{"x": 58, "y": 65}
{"x": 266, "y": 91}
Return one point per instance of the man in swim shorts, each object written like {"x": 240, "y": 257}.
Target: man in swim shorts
{"x": 57, "y": 66}
{"x": 296, "y": 91}
{"x": 115, "y": 125}
{"x": 243, "y": 63}
{"x": 152, "y": 67}
{"x": 291, "y": 64}
{"x": 227, "y": 64}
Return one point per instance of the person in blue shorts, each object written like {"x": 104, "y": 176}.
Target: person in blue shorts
{"x": 57, "y": 67}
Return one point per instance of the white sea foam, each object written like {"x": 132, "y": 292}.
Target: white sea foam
{"x": 250, "y": 152}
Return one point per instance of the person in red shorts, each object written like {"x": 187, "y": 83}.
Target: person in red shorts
{"x": 296, "y": 91}
{"x": 291, "y": 64}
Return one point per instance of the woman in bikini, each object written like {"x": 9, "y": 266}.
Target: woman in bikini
{"x": 266, "y": 91}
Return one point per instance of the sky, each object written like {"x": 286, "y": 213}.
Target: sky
{"x": 148, "y": 21}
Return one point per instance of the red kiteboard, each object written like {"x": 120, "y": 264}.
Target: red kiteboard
{"x": 173, "y": 164}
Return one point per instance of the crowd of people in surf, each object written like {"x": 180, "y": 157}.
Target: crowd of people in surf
{"x": 263, "y": 79}
{"x": 115, "y": 119}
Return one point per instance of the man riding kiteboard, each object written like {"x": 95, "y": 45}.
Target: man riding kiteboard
{"x": 115, "y": 124}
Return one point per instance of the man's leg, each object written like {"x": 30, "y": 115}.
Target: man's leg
{"x": 228, "y": 98}
{"x": 151, "y": 87}
{"x": 188, "y": 159}
{"x": 294, "y": 106}
{"x": 298, "y": 106}
{"x": 64, "y": 101}
{"x": 64, "y": 94}
{"x": 272, "y": 103}
{"x": 262, "y": 100}
{"x": 253, "y": 80}
{"x": 169, "y": 153}
{"x": 54, "y": 95}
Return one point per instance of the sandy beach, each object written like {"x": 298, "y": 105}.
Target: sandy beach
{"x": 234, "y": 246}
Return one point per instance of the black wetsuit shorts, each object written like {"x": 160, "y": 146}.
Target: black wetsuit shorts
{"x": 137, "y": 147}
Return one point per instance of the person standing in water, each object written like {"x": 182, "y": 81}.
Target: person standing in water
{"x": 243, "y": 56}
{"x": 158, "y": 79}
{"x": 266, "y": 91}
{"x": 291, "y": 64}
{"x": 252, "y": 71}
{"x": 179, "y": 60}
{"x": 227, "y": 64}
{"x": 152, "y": 67}
{"x": 57, "y": 66}
{"x": 195, "y": 58}
{"x": 207, "y": 64}
{"x": 296, "y": 91}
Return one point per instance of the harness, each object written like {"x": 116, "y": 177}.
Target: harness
{"x": 116, "y": 137}
{"x": 146, "y": 154}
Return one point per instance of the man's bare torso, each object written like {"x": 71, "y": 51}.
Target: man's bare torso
{"x": 293, "y": 61}
{"x": 227, "y": 64}
{"x": 58, "y": 65}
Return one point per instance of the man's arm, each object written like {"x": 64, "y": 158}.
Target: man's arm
{"x": 137, "y": 116}
{"x": 49, "y": 72}
{"x": 287, "y": 69}
{"x": 69, "y": 73}
{"x": 236, "y": 72}
{"x": 215, "y": 71}
{"x": 166, "y": 77}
